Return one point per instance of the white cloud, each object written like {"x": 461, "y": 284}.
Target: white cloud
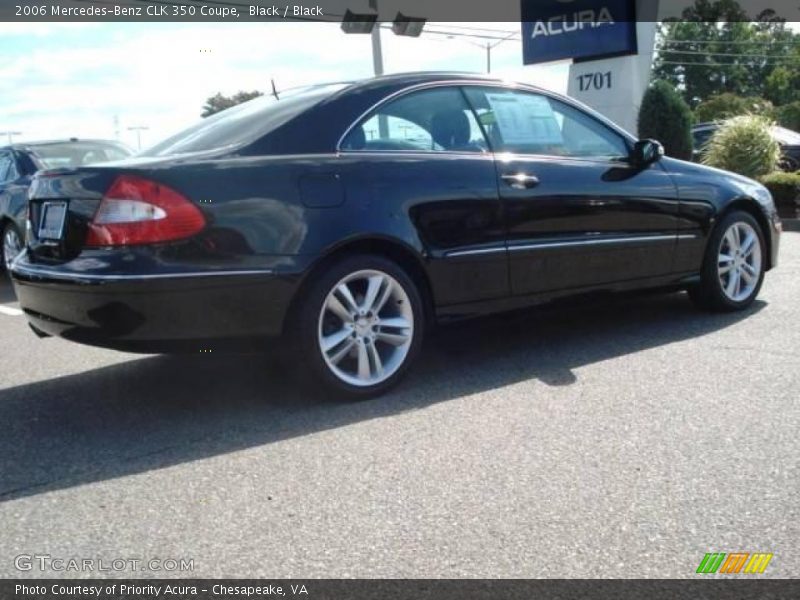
{"x": 40, "y": 30}
{"x": 160, "y": 75}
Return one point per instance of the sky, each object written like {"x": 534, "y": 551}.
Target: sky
{"x": 62, "y": 80}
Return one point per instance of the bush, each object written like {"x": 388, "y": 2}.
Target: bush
{"x": 744, "y": 145}
{"x": 785, "y": 190}
{"x": 727, "y": 105}
{"x": 665, "y": 117}
{"x": 789, "y": 116}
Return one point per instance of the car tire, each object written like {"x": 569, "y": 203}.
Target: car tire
{"x": 733, "y": 266}
{"x": 788, "y": 164}
{"x": 358, "y": 327}
{"x": 11, "y": 238}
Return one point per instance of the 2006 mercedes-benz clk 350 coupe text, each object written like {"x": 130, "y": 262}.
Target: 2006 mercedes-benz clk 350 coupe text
{"x": 349, "y": 217}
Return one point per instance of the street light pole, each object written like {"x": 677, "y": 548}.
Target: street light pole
{"x": 138, "y": 129}
{"x": 377, "y": 65}
{"x": 10, "y": 134}
{"x": 377, "y": 51}
{"x": 488, "y": 46}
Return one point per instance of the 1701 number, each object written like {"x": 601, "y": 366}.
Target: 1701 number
{"x": 594, "y": 81}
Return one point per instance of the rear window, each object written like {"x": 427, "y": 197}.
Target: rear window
{"x": 78, "y": 154}
{"x": 243, "y": 123}
{"x": 701, "y": 136}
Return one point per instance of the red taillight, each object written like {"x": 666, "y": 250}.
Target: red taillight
{"x": 139, "y": 211}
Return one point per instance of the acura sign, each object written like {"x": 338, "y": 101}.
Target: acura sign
{"x": 577, "y": 29}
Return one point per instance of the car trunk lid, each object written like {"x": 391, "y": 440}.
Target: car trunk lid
{"x": 60, "y": 207}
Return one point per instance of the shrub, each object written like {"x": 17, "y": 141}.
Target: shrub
{"x": 743, "y": 145}
{"x": 727, "y": 105}
{"x": 664, "y": 116}
{"x": 789, "y": 116}
{"x": 785, "y": 190}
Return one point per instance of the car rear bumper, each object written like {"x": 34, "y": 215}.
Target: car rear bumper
{"x": 180, "y": 311}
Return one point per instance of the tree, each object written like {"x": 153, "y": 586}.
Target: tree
{"x": 664, "y": 116}
{"x": 782, "y": 86}
{"x": 219, "y": 102}
{"x": 727, "y": 105}
{"x": 789, "y": 116}
{"x": 714, "y": 48}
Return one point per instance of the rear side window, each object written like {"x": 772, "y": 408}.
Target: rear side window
{"x": 701, "y": 137}
{"x": 244, "y": 123}
{"x": 524, "y": 122}
{"x": 435, "y": 120}
{"x": 78, "y": 154}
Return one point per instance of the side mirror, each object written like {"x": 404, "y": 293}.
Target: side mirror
{"x": 646, "y": 152}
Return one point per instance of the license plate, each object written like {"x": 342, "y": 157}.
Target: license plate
{"x": 51, "y": 225}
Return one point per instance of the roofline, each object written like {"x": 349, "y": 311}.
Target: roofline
{"x": 73, "y": 140}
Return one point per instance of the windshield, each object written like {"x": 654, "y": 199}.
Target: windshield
{"x": 243, "y": 123}
{"x": 77, "y": 154}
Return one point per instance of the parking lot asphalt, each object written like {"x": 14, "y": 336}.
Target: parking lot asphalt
{"x": 624, "y": 438}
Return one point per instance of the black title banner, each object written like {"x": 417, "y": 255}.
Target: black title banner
{"x": 335, "y": 10}
{"x": 396, "y": 589}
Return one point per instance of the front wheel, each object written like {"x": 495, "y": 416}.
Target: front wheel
{"x": 733, "y": 269}
{"x": 360, "y": 326}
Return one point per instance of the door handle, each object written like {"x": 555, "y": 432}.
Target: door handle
{"x": 520, "y": 181}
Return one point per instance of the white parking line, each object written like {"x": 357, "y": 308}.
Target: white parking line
{"x": 12, "y": 312}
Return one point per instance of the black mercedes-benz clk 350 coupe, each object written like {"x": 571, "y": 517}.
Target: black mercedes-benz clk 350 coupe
{"x": 349, "y": 217}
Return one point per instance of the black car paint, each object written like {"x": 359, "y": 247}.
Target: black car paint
{"x": 14, "y": 193}
{"x": 278, "y": 208}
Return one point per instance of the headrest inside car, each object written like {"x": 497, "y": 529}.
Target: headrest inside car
{"x": 450, "y": 129}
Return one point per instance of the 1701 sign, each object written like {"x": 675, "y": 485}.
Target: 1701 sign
{"x": 594, "y": 81}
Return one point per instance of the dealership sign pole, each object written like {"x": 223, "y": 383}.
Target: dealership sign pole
{"x": 610, "y": 42}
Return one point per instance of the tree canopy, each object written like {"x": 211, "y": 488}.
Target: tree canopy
{"x": 713, "y": 49}
{"x": 218, "y": 102}
{"x": 664, "y": 116}
{"x": 727, "y": 105}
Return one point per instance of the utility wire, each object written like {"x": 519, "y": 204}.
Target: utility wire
{"x": 754, "y": 42}
{"x": 716, "y": 54}
{"x": 482, "y": 29}
{"x": 708, "y": 64}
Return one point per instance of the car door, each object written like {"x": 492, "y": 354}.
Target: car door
{"x": 422, "y": 159}
{"x": 5, "y": 173}
{"x": 578, "y": 213}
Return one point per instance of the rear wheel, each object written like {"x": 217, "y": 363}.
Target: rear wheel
{"x": 733, "y": 269}
{"x": 12, "y": 244}
{"x": 359, "y": 327}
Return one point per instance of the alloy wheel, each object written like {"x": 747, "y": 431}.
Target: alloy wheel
{"x": 739, "y": 262}
{"x": 366, "y": 327}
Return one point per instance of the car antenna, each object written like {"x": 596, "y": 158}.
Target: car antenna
{"x": 274, "y": 90}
